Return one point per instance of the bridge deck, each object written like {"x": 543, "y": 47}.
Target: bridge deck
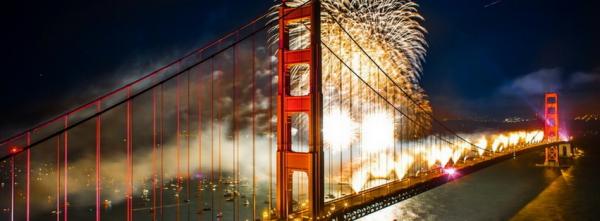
{"x": 368, "y": 201}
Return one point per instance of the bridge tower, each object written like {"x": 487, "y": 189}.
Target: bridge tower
{"x": 551, "y": 128}
{"x": 290, "y": 161}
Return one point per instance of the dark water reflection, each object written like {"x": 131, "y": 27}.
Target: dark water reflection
{"x": 512, "y": 190}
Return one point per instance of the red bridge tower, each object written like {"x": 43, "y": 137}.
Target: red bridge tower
{"x": 289, "y": 161}
{"x": 551, "y": 127}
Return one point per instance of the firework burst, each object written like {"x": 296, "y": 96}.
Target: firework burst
{"x": 370, "y": 70}
{"x": 376, "y": 38}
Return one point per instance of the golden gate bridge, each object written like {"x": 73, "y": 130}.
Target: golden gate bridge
{"x": 291, "y": 116}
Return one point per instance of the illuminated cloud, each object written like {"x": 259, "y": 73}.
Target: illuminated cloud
{"x": 535, "y": 83}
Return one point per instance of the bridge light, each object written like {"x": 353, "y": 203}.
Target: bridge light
{"x": 450, "y": 171}
{"x": 14, "y": 149}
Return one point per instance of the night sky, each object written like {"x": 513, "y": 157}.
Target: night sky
{"x": 486, "y": 59}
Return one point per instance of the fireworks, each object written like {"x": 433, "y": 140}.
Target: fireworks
{"x": 434, "y": 155}
{"x": 376, "y": 38}
{"x": 382, "y": 43}
{"x": 373, "y": 106}
{"x": 482, "y": 143}
{"x": 338, "y": 129}
{"x": 377, "y": 132}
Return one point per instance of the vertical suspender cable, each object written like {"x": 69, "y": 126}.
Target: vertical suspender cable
{"x": 129, "y": 157}
{"x": 66, "y": 166}
{"x": 253, "y": 128}
{"x": 98, "y": 140}
{"x": 178, "y": 177}
{"x": 234, "y": 122}
{"x": 220, "y": 123}
{"x": 212, "y": 134}
{"x": 154, "y": 167}
{"x": 58, "y": 178}
{"x": 28, "y": 173}
{"x": 187, "y": 134}
{"x": 271, "y": 134}
{"x": 12, "y": 186}
{"x": 200, "y": 100}
{"x": 341, "y": 98}
{"x": 219, "y": 137}
{"x": 212, "y": 126}
{"x": 162, "y": 150}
